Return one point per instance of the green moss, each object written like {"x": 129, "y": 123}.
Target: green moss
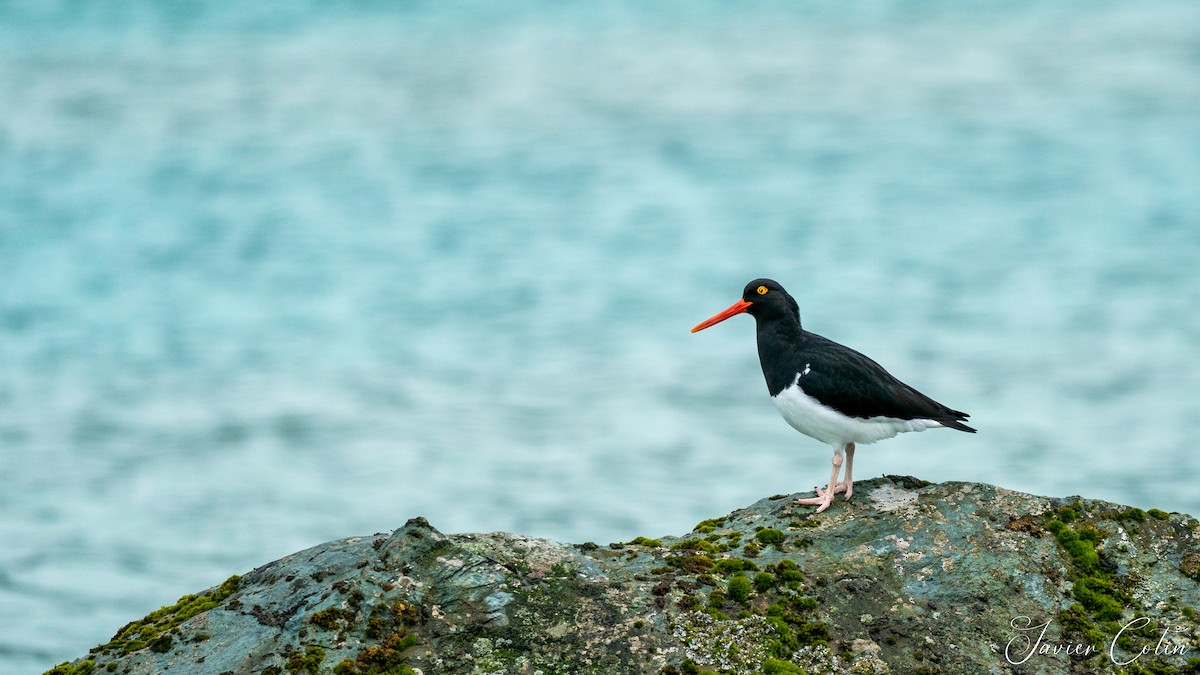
{"x": 787, "y": 573}
{"x": 1103, "y": 599}
{"x": 387, "y": 617}
{"x": 84, "y": 667}
{"x": 727, "y": 566}
{"x": 161, "y": 644}
{"x": 308, "y": 661}
{"x": 1091, "y": 533}
{"x": 790, "y": 577}
{"x": 1082, "y": 551}
{"x": 768, "y": 536}
{"x": 693, "y": 564}
{"x": 751, "y": 550}
{"x": 1132, "y": 515}
{"x": 1133, "y": 637}
{"x": 793, "y": 631}
{"x": 387, "y": 620}
{"x": 780, "y": 667}
{"x": 690, "y": 667}
{"x": 1075, "y": 621}
{"x": 1071, "y": 513}
{"x": 331, "y": 618}
{"x": 709, "y": 525}
{"x": 694, "y": 545}
{"x": 763, "y": 581}
{"x": 1158, "y": 514}
{"x": 739, "y": 589}
{"x": 643, "y": 541}
{"x": 716, "y": 599}
{"x": 788, "y": 616}
{"x": 156, "y": 629}
{"x": 384, "y": 659}
{"x": 804, "y": 603}
{"x": 1190, "y": 566}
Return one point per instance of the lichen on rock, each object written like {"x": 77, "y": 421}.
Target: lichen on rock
{"x": 909, "y": 577}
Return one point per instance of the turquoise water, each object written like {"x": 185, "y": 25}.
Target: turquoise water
{"x": 272, "y": 274}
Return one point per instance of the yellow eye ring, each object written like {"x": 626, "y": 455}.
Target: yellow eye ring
{"x": 762, "y": 290}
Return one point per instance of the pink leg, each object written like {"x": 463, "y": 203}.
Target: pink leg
{"x": 846, "y": 485}
{"x": 849, "y": 482}
{"x": 824, "y": 499}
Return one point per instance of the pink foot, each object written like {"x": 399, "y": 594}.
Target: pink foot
{"x": 848, "y": 488}
{"x": 823, "y": 498}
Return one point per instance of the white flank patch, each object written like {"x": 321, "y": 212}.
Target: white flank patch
{"x": 811, "y": 418}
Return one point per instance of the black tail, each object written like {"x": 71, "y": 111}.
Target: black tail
{"x": 957, "y": 423}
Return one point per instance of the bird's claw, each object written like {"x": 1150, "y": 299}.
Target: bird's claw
{"x": 821, "y": 501}
{"x": 840, "y": 487}
{"x": 825, "y": 497}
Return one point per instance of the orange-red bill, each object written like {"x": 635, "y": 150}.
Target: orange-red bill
{"x": 735, "y": 309}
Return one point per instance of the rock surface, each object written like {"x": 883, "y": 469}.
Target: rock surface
{"x": 908, "y": 577}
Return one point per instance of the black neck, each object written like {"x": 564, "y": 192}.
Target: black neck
{"x": 780, "y": 342}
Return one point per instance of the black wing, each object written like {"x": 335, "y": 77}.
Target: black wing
{"x": 854, "y": 385}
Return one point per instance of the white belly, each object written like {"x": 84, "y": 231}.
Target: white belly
{"x": 811, "y": 418}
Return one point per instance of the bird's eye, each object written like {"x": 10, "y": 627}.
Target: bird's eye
{"x": 762, "y": 290}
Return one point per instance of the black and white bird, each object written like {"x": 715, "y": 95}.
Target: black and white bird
{"x": 828, "y": 391}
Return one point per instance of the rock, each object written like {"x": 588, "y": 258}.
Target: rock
{"x": 909, "y": 577}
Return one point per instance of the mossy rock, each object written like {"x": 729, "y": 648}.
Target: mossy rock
{"x": 908, "y": 576}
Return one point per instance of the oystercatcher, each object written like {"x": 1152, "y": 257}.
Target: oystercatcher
{"x": 828, "y": 391}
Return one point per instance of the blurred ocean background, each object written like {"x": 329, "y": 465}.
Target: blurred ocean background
{"x": 275, "y": 273}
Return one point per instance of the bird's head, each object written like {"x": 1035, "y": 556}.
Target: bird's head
{"x": 762, "y": 299}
